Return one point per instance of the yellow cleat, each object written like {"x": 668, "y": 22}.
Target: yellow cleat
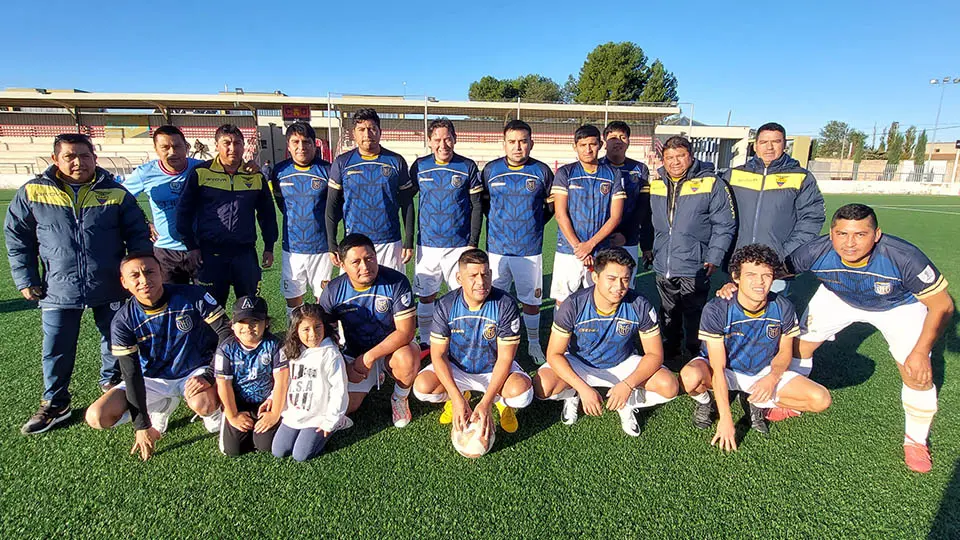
{"x": 508, "y": 420}
{"x": 446, "y": 417}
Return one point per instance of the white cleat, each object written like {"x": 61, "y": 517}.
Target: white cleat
{"x": 628, "y": 421}
{"x": 160, "y": 411}
{"x": 212, "y": 422}
{"x": 533, "y": 350}
{"x": 570, "y": 411}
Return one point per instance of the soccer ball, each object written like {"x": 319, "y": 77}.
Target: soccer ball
{"x": 468, "y": 442}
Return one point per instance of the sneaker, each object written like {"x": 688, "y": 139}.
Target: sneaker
{"x": 569, "y": 413}
{"x": 160, "y": 411}
{"x": 106, "y": 386}
{"x": 45, "y": 418}
{"x": 508, "y": 418}
{"x": 703, "y": 413}
{"x": 533, "y": 350}
{"x": 343, "y": 424}
{"x": 628, "y": 421}
{"x": 779, "y": 414}
{"x": 446, "y": 417}
{"x": 212, "y": 422}
{"x": 401, "y": 411}
{"x": 757, "y": 421}
{"x": 917, "y": 457}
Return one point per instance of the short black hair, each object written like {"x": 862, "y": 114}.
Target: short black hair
{"x": 353, "y": 240}
{"x": 772, "y": 126}
{"x": 72, "y": 138}
{"x": 365, "y": 114}
{"x": 615, "y": 255}
{"x": 585, "y": 132}
{"x": 855, "y": 212}
{"x": 169, "y": 131}
{"x": 227, "y": 129}
{"x": 517, "y": 125}
{"x": 303, "y": 129}
{"x": 441, "y": 123}
{"x": 139, "y": 255}
{"x": 678, "y": 141}
{"x": 616, "y": 125}
{"x": 473, "y": 256}
{"x": 756, "y": 254}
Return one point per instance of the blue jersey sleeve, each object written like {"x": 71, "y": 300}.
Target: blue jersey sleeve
{"x": 789, "y": 326}
{"x": 476, "y": 183}
{"x": 561, "y": 183}
{"x": 918, "y": 273}
{"x": 326, "y": 300}
{"x": 404, "y": 178}
{"x": 403, "y": 305}
{"x": 222, "y": 363}
{"x": 123, "y": 341}
{"x": 279, "y": 361}
{"x": 207, "y": 306}
{"x": 647, "y": 325}
{"x": 508, "y": 325}
{"x": 565, "y": 318}
{"x": 802, "y": 259}
{"x": 440, "y": 328}
{"x": 132, "y": 182}
{"x": 335, "y": 180}
{"x": 713, "y": 321}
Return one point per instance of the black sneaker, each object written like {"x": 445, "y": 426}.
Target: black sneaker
{"x": 45, "y": 418}
{"x": 108, "y": 385}
{"x": 703, "y": 413}
{"x": 757, "y": 420}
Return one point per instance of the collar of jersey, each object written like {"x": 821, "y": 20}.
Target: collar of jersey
{"x": 857, "y": 265}
{"x": 168, "y": 172}
{"x": 366, "y": 157}
{"x": 753, "y": 314}
{"x": 300, "y": 167}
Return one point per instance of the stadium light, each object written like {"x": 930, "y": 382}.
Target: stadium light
{"x": 936, "y": 125}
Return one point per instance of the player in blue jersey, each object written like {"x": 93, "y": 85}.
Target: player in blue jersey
{"x": 588, "y": 199}
{"x": 473, "y": 345}
{"x": 374, "y": 305}
{"x": 636, "y": 228}
{"x": 450, "y": 217}
{"x": 252, "y": 377}
{"x": 518, "y": 190}
{"x": 593, "y": 344}
{"x": 162, "y": 180}
{"x": 300, "y": 189}
{"x": 747, "y": 345}
{"x": 370, "y": 188}
{"x": 164, "y": 339}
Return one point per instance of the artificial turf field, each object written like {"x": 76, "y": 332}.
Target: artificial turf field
{"x": 839, "y": 474}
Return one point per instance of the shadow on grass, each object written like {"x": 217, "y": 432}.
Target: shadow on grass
{"x": 13, "y": 305}
{"x": 163, "y": 449}
{"x": 946, "y": 524}
{"x": 373, "y": 416}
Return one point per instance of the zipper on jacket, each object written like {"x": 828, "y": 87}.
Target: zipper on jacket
{"x": 756, "y": 216}
{"x": 670, "y": 215}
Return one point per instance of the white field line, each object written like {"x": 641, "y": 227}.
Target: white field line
{"x": 909, "y": 209}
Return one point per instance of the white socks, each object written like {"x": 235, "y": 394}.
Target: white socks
{"x": 802, "y": 366}
{"x": 518, "y": 402}
{"x": 566, "y": 394}
{"x": 425, "y": 320}
{"x": 399, "y": 392}
{"x": 430, "y": 398}
{"x": 532, "y": 322}
{"x": 919, "y": 406}
{"x": 703, "y": 398}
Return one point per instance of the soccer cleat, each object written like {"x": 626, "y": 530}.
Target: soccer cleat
{"x": 757, "y": 421}
{"x": 779, "y": 414}
{"x": 628, "y": 421}
{"x": 342, "y": 424}
{"x": 703, "y": 413}
{"x": 508, "y": 418}
{"x": 917, "y": 457}
{"x": 212, "y": 422}
{"x": 401, "y": 411}
{"x": 45, "y": 418}
{"x": 569, "y": 413}
{"x": 533, "y": 350}
{"x": 446, "y": 417}
{"x": 424, "y": 351}
{"x": 160, "y": 411}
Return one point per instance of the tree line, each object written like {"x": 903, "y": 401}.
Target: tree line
{"x": 838, "y": 140}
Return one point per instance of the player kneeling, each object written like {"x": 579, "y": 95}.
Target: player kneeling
{"x": 473, "y": 346}
{"x": 748, "y": 341}
{"x": 592, "y": 343}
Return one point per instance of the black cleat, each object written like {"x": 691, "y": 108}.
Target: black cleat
{"x": 704, "y": 413}
{"x": 108, "y": 385}
{"x": 757, "y": 420}
{"x": 45, "y": 418}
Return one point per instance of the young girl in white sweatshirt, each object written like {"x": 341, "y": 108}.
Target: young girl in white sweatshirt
{"x": 316, "y": 401}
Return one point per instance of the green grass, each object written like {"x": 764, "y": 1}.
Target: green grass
{"x": 837, "y": 474}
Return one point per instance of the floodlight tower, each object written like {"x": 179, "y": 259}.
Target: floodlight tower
{"x": 943, "y": 86}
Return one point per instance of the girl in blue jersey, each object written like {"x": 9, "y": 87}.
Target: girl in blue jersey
{"x": 316, "y": 399}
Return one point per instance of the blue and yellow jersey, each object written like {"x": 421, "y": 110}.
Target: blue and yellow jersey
{"x": 301, "y": 195}
{"x": 368, "y": 315}
{"x": 636, "y": 222}
{"x": 518, "y": 197}
{"x": 895, "y": 274}
{"x": 473, "y": 335}
{"x": 589, "y": 196}
{"x": 163, "y": 188}
{"x": 371, "y": 188}
{"x": 250, "y": 371}
{"x": 604, "y": 340}
{"x": 445, "y": 190}
{"x": 751, "y": 340}
{"x": 171, "y": 340}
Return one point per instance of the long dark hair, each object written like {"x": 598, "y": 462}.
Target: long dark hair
{"x": 292, "y": 344}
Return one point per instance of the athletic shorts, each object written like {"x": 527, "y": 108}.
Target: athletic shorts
{"x": 390, "y": 255}
{"x": 569, "y": 276}
{"x": 375, "y": 377}
{"x": 434, "y": 266}
{"x": 826, "y": 315}
{"x": 526, "y": 273}
{"x": 297, "y": 270}
{"x": 608, "y": 377}
{"x": 158, "y": 389}
{"x": 742, "y": 382}
{"x": 475, "y": 382}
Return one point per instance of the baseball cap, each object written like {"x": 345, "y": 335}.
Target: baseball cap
{"x": 250, "y": 307}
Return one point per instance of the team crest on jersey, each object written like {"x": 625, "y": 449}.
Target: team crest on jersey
{"x": 531, "y": 185}
{"x": 781, "y": 180}
{"x": 114, "y": 306}
{"x": 694, "y": 186}
{"x": 176, "y": 186}
{"x": 101, "y": 197}
{"x": 883, "y": 288}
{"x": 489, "y": 331}
{"x": 248, "y": 182}
{"x": 316, "y": 184}
{"x": 623, "y": 327}
{"x": 382, "y": 305}
{"x": 386, "y": 170}
{"x": 605, "y": 187}
{"x": 456, "y": 181}
{"x": 184, "y": 323}
{"x": 773, "y": 331}
{"x": 265, "y": 358}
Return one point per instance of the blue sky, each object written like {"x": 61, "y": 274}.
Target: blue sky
{"x": 799, "y": 63}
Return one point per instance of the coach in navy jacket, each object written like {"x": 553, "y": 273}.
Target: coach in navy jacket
{"x": 66, "y": 232}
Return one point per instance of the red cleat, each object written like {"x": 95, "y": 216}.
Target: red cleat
{"x": 779, "y": 414}
{"x": 917, "y": 457}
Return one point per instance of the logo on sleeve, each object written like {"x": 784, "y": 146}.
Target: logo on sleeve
{"x": 883, "y": 288}
{"x": 928, "y": 275}
{"x": 209, "y": 299}
{"x": 185, "y": 323}
{"x": 382, "y": 305}
{"x": 773, "y": 331}
{"x": 489, "y": 331}
{"x": 653, "y": 315}
{"x": 405, "y": 299}
{"x": 515, "y": 326}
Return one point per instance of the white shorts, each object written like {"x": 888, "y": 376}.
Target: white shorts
{"x": 390, "y": 255}
{"x": 158, "y": 389}
{"x": 741, "y": 382}
{"x": 375, "y": 377}
{"x": 603, "y": 377}
{"x": 569, "y": 276}
{"x": 526, "y": 273}
{"x": 435, "y": 265}
{"x": 826, "y": 315}
{"x": 475, "y": 382}
{"x": 297, "y": 270}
